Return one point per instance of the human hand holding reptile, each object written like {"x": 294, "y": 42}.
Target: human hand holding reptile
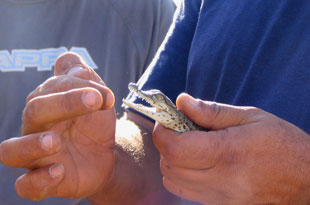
{"x": 249, "y": 157}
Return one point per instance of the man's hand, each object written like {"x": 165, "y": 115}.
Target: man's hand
{"x": 69, "y": 129}
{"x": 249, "y": 157}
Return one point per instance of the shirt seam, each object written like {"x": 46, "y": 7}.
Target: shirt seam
{"x": 128, "y": 28}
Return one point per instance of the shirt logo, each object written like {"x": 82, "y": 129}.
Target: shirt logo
{"x": 42, "y": 59}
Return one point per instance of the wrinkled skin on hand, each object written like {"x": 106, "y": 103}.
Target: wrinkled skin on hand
{"x": 68, "y": 135}
{"x": 249, "y": 157}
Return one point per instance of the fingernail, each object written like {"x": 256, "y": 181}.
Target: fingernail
{"x": 74, "y": 70}
{"x": 56, "y": 170}
{"x": 90, "y": 99}
{"x": 110, "y": 100}
{"x": 47, "y": 142}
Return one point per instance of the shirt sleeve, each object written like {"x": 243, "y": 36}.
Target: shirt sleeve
{"x": 167, "y": 71}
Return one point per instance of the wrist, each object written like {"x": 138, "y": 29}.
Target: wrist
{"x": 136, "y": 178}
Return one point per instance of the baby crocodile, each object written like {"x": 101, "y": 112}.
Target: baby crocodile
{"x": 163, "y": 110}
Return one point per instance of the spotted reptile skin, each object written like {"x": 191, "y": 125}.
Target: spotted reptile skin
{"x": 162, "y": 110}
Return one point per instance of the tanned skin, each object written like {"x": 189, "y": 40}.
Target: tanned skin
{"x": 73, "y": 147}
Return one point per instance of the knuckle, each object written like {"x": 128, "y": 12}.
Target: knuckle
{"x": 50, "y": 82}
{"x": 66, "y": 103}
{"x": 216, "y": 149}
{"x": 214, "y": 110}
{"x": 38, "y": 188}
{"x": 41, "y": 88}
{"x": 83, "y": 74}
{"x": 69, "y": 101}
{"x": 166, "y": 184}
{"x": 67, "y": 60}
{"x": 30, "y": 113}
{"x": 164, "y": 167}
{"x": 31, "y": 96}
{"x": 36, "y": 196}
{"x": 158, "y": 137}
{"x": 32, "y": 192}
{"x": 231, "y": 156}
{"x": 172, "y": 154}
{"x": 171, "y": 187}
{"x": 64, "y": 83}
{"x": 63, "y": 58}
{"x": 228, "y": 153}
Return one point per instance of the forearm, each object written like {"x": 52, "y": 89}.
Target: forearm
{"x": 137, "y": 178}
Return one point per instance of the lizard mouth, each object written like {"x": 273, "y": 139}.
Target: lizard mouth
{"x": 144, "y": 95}
{"x": 151, "y": 112}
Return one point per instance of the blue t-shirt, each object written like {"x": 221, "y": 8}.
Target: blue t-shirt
{"x": 247, "y": 53}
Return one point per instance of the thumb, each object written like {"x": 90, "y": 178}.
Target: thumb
{"x": 212, "y": 115}
{"x": 72, "y": 64}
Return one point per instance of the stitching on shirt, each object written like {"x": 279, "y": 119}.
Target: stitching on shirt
{"x": 128, "y": 28}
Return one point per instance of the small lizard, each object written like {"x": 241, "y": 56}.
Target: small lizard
{"x": 163, "y": 110}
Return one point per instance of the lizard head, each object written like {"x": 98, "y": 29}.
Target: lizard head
{"x": 162, "y": 107}
{"x": 155, "y": 98}
{"x": 163, "y": 110}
